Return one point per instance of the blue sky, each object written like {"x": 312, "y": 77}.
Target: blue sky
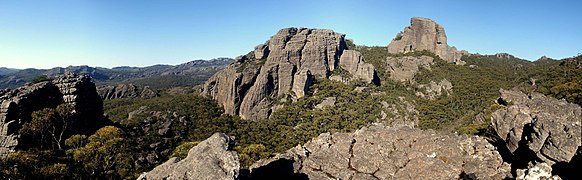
{"x": 107, "y": 33}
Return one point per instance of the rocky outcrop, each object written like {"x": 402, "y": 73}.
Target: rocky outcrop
{"x": 433, "y": 90}
{"x": 379, "y": 152}
{"x": 284, "y": 66}
{"x": 125, "y": 91}
{"x": 328, "y": 101}
{"x": 425, "y": 35}
{"x": 404, "y": 68}
{"x": 534, "y": 125}
{"x": 213, "y": 158}
{"x": 504, "y": 56}
{"x": 16, "y": 107}
{"x": 353, "y": 62}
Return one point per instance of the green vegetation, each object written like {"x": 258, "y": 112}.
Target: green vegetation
{"x": 40, "y": 78}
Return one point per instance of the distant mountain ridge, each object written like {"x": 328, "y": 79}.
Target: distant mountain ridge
{"x": 4, "y": 70}
{"x": 199, "y": 70}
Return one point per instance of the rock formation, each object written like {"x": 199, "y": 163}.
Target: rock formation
{"x": 16, "y": 107}
{"x": 284, "y": 66}
{"x": 353, "y": 62}
{"x": 404, "y": 68}
{"x": 433, "y": 90}
{"x": 379, "y": 152}
{"x": 548, "y": 128}
{"x": 425, "y": 35}
{"x": 213, "y": 158}
{"x": 125, "y": 91}
{"x": 504, "y": 56}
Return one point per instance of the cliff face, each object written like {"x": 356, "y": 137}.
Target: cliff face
{"x": 425, "y": 34}
{"x": 285, "y": 66}
{"x": 16, "y": 107}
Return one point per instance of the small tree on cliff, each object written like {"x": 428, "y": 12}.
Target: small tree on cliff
{"x": 50, "y": 125}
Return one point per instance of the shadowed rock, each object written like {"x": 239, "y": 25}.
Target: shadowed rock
{"x": 547, "y": 127}
{"x": 16, "y": 107}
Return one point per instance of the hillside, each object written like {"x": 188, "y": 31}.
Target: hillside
{"x": 312, "y": 104}
{"x": 158, "y": 76}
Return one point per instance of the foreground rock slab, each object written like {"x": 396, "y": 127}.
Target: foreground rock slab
{"x": 213, "y": 158}
{"x": 547, "y": 127}
{"x": 380, "y": 152}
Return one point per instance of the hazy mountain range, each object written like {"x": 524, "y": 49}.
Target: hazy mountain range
{"x": 190, "y": 72}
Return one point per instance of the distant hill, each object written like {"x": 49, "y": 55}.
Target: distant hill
{"x": 4, "y": 70}
{"x": 158, "y": 76}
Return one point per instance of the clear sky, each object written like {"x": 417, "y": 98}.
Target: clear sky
{"x": 107, "y": 33}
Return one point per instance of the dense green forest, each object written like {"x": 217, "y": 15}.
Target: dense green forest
{"x": 146, "y": 132}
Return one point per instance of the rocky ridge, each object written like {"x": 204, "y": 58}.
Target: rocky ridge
{"x": 16, "y": 107}
{"x": 425, "y": 35}
{"x": 198, "y": 68}
{"x": 122, "y": 90}
{"x": 284, "y": 67}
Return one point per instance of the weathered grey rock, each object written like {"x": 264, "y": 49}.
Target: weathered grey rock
{"x": 293, "y": 53}
{"x": 301, "y": 83}
{"x": 353, "y": 62}
{"x": 125, "y": 91}
{"x": 212, "y": 158}
{"x": 434, "y": 90}
{"x": 379, "y": 152}
{"x": 548, "y": 127}
{"x": 229, "y": 85}
{"x": 404, "y": 68}
{"x": 16, "y": 107}
{"x": 425, "y": 34}
{"x": 328, "y": 101}
{"x": 504, "y": 56}
{"x": 261, "y": 51}
{"x": 539, "y": 171}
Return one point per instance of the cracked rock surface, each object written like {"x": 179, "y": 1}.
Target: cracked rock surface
{"x": 380, "y": 152}
{"x": 547, "y": 127}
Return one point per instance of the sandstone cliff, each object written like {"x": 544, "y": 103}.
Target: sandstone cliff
{"x": 282, "y": 67}
{"x": 425, "y": 35}
{"x": 16, "y": 107}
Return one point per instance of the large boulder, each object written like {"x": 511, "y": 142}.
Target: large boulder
{"x": 548, "y": 128}
{"x": 284, "y": 66}
{"x": 380, "y": 152}
{"x": 16, "y": 107}
{"x": 425, "y": 35}
{"x": 212, "y": 158}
